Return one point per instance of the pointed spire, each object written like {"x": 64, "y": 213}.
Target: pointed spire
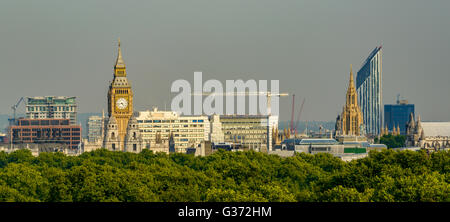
{"x": 419, "y": 124}
{"x": 352, "y": 82}
{"x": 412, "y": 123}
{"x": 119, "y": 62}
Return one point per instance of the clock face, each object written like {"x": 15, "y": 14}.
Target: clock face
{"x": 121, "y": 103}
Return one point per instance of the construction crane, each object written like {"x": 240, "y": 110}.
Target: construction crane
{"x": 267, "y": 94}
{"x": 14, "y": 107}
{"x": 299, "y": 114}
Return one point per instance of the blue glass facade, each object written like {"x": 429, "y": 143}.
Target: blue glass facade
{"x": 398, "y": 114}
{"x": 368, "y": 86}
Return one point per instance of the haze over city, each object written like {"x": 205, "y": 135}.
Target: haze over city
{"x": 69, "y": 48}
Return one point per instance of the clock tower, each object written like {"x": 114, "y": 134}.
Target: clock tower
{"x": 120, "y": 99}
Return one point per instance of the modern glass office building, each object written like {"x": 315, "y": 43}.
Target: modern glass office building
{"x": 368, "y": 86}
{"x": 398, "y": 115}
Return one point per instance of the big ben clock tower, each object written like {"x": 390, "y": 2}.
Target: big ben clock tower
{"x": 120, "y": 99}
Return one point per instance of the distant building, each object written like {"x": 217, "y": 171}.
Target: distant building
{"x": 350, "y": 122}
{"x": 345, "y": 149}
{"x": 94, "y": 128}
{"x": 249, "y": 131}
{"x": 397, "y": 115}
{"x": 188, "y": 131}
{"x": 46, "y": 131}
{"x": 4, "y": 139}
{"x": 432, "y": 136}
{"x": 216, "y": 134}
{"x": 369, "y": 88}
{"x": 52, "y": 107}
{"x": 319, "y": 145}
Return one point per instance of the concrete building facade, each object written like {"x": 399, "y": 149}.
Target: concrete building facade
{"x": 95, "y": 128}
{"x": 251, "y": 131}
{"x": 188, "y": 131}
{"x": 52, "y": 107}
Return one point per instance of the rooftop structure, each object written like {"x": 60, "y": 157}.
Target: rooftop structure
{"x": 52, "y": 107}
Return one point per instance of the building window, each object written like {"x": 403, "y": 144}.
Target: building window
{"x": 113, "y": 146}
{"x": 134, "y": 147}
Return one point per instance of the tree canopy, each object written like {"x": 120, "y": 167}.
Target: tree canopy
{"x": 392, "y": 141}
{"x": 106, "y": 176}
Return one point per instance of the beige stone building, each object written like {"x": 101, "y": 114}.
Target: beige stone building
{"x": 432, "y": 136}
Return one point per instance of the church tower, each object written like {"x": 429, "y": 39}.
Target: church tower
{"x": 120, "y": 99}
{"x": 351, "y": 117}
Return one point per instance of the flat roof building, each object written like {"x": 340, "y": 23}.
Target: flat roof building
{"x": 46, "y": 131}
{"x": 188, "y": 131}
{"x": 94, "y": 128}
{"x": 250, "y": 131}
{"x": 52, "y": 107}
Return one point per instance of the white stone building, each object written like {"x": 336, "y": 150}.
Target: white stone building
{"x": 188, "y": 131}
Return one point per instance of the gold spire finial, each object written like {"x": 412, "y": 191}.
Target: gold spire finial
{"x": 119, "y": 42}
{"x": 351, "y": 73}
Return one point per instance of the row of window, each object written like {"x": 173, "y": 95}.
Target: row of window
{"x": 28, "y": 137}
{"x": 171, "y": 121}
{"x": 170, "y": 126}
{"x": 168, "y": 131}
{"x": 36, "y": 129}
{"x": 52, "y": 108}
{"x": 178, "y": 135}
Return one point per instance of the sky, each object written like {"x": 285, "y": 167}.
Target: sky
{"x": 68, "y": 48}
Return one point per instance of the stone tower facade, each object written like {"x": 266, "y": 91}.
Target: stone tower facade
{"x": 351, "y": 117}
{"x": 111, "y": 139}
{"x": 133, "y": 138}
{"x": 120, "y": 100}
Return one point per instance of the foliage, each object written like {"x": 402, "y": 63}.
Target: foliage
{"x": 105, "y": 176}
{"x": 392, "y": 141}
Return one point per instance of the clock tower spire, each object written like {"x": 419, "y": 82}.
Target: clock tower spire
{"x": 120, "y": 99}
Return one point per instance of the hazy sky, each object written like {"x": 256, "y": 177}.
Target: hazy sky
{"x": 68, "y": 48}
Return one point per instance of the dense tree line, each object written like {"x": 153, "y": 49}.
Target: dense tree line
{"x": 392, "y": 141}
{"x": 223, "y": 176}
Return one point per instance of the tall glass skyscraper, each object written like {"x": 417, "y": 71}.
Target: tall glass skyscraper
{"x": 368, "y": 86}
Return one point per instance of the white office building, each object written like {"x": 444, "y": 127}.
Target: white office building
{"x": 188, "y": 131}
